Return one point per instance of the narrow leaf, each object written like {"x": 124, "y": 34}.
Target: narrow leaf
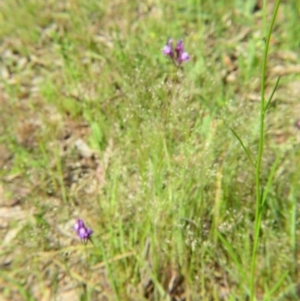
{"x": 243, "y": 146}
{"x": 270, "y": 179}
{"x": 272, "y": 94}
{"x": 276, "y": 286}
{"x": 233, "y": 256}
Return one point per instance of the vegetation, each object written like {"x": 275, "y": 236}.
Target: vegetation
{"x": 186, "y": 175}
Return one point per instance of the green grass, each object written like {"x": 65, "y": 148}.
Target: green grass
{"x": 178, "y": 210}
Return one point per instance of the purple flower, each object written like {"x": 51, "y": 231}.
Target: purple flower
{"x": 78, "y": 225}
{"x": 167, "y": 50}
{"x": 178, "y": 55}
{"x": 83, "y": 232}
{"x": 181, "y": 55}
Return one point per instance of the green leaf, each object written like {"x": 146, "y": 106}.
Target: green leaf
{"x": 243, "y": 146}
{"x": 272, "y": 94}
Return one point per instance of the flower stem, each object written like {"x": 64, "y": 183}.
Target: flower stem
{"x": 258, "y": 211}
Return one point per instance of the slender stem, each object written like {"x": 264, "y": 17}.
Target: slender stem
{"x": 258, "y": 210}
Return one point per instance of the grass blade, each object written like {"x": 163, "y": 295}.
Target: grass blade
{"x": 270, "y": 179}
{"x": 232, "y": 254}
{"x": 276, "y": 286}
{"x": 243, "y": 146}
{"x": 272, "y": 94}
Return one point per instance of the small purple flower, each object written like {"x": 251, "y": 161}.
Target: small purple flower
{"x": 83, "y": 232}
{"x": 167, "y": 50}
{"x": 78, "y": 225}
{"x": 178, "y": 56}
{"x": 181, "y": 55}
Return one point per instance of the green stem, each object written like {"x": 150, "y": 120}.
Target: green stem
{"x": 258, "y": 211}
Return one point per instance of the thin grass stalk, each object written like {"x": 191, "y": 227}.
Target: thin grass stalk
{"x": 258, "y": 211}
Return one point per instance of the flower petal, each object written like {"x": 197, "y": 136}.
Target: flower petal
{"x": 167, "y": 50}
{"x": 82, "y": 233}
{"x": 89, "y": 232}
{"x": 184, "y": 57}
{"x": 79, "y": 224}
{"x": 179, "y": 48}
